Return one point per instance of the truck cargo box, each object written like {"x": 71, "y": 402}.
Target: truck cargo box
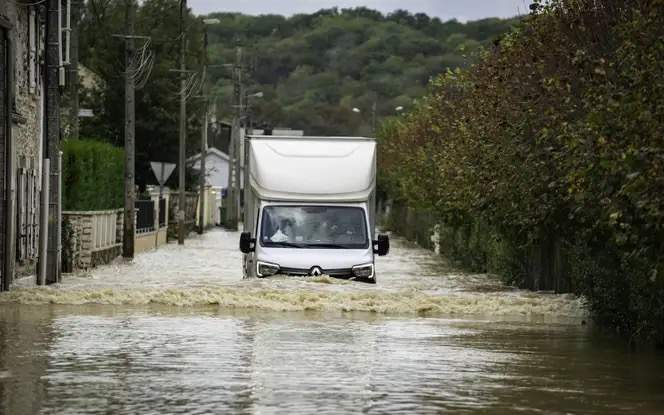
{"x": 338, "y": 169}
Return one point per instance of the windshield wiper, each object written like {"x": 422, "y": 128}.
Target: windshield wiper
{"x": 332, "y": 246}
{"x": 284, "y": 243}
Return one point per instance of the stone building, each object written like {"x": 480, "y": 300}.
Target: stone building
{"x": 22, "y": 92}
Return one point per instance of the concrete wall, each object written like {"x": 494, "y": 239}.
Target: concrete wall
{"x": 148, "y": 241}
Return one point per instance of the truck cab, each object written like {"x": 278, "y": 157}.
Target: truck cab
{"x": 309, "y": 207}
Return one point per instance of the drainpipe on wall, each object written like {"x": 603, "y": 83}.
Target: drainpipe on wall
{"x": 53, "y": 55}
{"x": 43, "y": 224}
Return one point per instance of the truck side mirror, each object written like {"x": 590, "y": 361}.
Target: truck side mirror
{"x": 247, "y": 243}
{"x": 382, "y": 245}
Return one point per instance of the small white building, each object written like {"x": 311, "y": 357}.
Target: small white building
{"x": 216, "y": 167}
{"x": 216, "y": 171}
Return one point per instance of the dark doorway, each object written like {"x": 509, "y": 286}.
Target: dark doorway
{"x": 4, "y": 153}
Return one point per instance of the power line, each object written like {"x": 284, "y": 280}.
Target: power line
{"x": 139, "y": 67}
{"x": 20, "y": 3}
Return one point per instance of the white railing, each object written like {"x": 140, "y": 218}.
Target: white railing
{"x": 104, "y": 229}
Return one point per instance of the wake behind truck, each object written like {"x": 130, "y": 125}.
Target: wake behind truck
{"x": 310, "y": 207}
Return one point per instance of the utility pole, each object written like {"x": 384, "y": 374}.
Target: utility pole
{"x": 129, "y": 227}
{"x": 183, "y": 125}
{"x": 73, "y": 68}
{"x": 53, "y": 52}
{"x": 232, "y": 211}
{"x": 239, "y": 140}
{"x": 201, "y": 179}
{"x": 204, "y": 128}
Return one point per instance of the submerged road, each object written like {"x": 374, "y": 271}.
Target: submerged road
{"x": 179, "y": 331}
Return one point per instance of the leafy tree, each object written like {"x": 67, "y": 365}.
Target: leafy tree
{"x": 157, "y": 103}
{"x": 548, "y": 153}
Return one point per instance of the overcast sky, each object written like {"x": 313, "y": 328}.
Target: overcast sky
{"x": 445, "y": 9}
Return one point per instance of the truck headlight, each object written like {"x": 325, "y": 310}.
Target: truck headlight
{"x": 363, "y": 271}
{"x": 265, "y": 269}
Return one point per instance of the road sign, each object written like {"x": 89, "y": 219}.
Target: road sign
{"x": 162, "y": 171}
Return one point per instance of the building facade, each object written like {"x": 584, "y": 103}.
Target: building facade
{"x": 22, "y": 92}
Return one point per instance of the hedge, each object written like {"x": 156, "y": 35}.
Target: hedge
{"x": 92, "y": 175}
{"x": 553, "y": 147}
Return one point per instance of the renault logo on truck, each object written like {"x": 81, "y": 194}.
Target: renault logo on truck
{"x": 316, "y": 271}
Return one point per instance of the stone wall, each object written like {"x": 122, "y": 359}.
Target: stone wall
{"x": 78, "y": 245}
{"x": 27, "y": 118}
{"x": 26, "y": 121}
{"x": 83, "y": 231}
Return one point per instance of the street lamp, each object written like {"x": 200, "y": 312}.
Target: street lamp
{"x": 373, "y": 116}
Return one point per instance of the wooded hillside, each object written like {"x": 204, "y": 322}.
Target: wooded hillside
{"x": 312, "y": 69}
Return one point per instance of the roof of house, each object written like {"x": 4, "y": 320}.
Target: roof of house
{"x": 210, "y": 151}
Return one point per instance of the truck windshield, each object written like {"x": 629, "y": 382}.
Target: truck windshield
{"x": 323, "y": 227}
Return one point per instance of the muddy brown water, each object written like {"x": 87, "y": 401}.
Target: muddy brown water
{"x": 178, "y": 331}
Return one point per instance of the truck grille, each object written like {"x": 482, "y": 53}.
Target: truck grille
{"x": 341, "y": 272}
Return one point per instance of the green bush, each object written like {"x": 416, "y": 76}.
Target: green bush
{"x": 553, "y": 143}
{"x": 92, "y": 175}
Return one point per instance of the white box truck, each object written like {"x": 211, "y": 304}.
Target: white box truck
{"x": 309, "y": 207}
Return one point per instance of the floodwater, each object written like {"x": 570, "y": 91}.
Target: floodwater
{"x": 178, "y": 331}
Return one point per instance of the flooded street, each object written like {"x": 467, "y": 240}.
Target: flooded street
{"x": 179, "y": 331}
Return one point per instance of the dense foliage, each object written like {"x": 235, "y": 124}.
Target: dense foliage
{"x": 553, "y": 145}
{"x": 157, "y": 104}
{"x": 312, "y": 68}
{"x": 92, "y": 175}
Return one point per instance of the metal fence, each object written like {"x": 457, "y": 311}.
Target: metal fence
{"x": 191, "y": 208}
{"x": 145, "y": 216}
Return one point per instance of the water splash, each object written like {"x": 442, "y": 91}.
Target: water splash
{"x": 205, "y": 272}
{"x": 275, "y": 299}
